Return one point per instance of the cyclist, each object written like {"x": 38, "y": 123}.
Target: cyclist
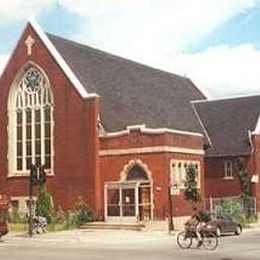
{"x": 197, "y": 222}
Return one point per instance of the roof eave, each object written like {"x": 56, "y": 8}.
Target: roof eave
{"x": 201, "y": 124}
{"x": 257, "y": 128}
{"x": 227, "y": 155}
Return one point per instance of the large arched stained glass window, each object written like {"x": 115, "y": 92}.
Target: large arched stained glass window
{"x": 32, "y": 111}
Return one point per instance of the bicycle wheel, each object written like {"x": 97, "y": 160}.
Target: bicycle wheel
{"x": 210, "y": 241}
{"x": 183, "y": 240}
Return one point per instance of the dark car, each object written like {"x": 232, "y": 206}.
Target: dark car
{"x": 224, "y": 224}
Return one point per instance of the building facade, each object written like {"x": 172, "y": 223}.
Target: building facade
{"x": 232, "y": 128}
{"x": 114, "y": 132}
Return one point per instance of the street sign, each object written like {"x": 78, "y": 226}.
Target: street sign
{"x": 174, "y": 189}
{"x": 37, "y": 175}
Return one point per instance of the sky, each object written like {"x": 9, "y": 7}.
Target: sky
{"x": 215, "y": 43}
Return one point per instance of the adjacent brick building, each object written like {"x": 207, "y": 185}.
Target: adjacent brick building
{"x": 232, "y": 128}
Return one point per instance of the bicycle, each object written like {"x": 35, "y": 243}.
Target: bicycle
{"x": 208, "y": 235}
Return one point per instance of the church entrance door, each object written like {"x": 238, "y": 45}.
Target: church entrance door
{"x": 128, "y": 201}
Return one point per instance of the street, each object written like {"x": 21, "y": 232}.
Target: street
{"x": 82, "y": 244}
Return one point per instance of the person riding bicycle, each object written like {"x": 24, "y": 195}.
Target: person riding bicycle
{"x": 197, "y": 222}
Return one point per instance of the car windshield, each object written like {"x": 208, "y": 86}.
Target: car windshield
{"x": 226, "y": 217}
{"x": 215, "y": 215}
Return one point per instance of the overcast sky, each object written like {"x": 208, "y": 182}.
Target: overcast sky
{"x": 216, "y": 43}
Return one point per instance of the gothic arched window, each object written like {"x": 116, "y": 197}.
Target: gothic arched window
{"x": 30, "y": 122}
{"x": 136, "y": 173}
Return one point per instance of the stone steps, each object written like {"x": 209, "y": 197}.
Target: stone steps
{"x": 113, "y": 226}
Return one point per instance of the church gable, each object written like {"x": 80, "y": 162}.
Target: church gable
{"x": 34, "y": 46}
{"x": 30, "y": 134}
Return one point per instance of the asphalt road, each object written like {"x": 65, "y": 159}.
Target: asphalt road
{"x": 123, "y": 245}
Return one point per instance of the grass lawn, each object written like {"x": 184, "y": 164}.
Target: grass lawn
{"x": 17, "y": 227}
{"x": 23, "y": 227}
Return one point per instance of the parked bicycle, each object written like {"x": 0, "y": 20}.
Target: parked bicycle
{"x": 208, "y": 235}
{"x": 39, "y": 224}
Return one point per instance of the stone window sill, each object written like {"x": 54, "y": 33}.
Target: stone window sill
{"x": 228, "y": 178}
{"x": 27, "y": 174}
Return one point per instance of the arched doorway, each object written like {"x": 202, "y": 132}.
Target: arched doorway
{"x": 130, "y": 199}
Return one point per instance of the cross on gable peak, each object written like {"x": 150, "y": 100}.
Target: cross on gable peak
{"x": 29, "y": 42}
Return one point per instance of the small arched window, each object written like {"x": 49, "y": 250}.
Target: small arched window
{"x": 30, "y": 122}
{"x": 136, "y": 173}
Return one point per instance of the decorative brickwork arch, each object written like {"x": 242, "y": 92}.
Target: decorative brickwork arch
{"x": 130, "y": 198}
{"x": 138, "y": 165}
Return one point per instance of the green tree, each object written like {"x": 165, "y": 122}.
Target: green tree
{"x": 191, "y": 191}
{"x": 245, "y": 185}
{"x": 44, "y": 206}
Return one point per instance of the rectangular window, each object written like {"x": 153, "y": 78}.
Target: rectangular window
{"x": 28, "y": 117}
{"x": 19, "y": 163}
{"x": 19, "y": 133}
{"x": 228, "y": 169}
{"x": 47, "y": 137}
{"x": 19, "y": 118}
{"x": 38, "y": 116}
{"x": 47, "y": 114}
{"x": 28, "y": 163}
{"x": 178, "y": 173}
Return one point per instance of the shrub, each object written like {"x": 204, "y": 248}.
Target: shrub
{"x": 235, "y": 209}
{"x": 71, "y": 220}
{"x": 83, "y": 211}
{"x": 44, "y": 204}
{"x": 59, "y": 216}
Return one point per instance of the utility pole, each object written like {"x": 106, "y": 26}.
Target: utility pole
{"x": 170, "y": 220}
{"x": 37, "y": 177}
{"x": 31, "y": 201}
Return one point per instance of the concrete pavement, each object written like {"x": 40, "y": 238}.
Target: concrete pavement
{"x": 153, "y": 244}
{"x": 154, "y": 231}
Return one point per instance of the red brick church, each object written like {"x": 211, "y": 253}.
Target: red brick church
{"x": 115, "y": 132}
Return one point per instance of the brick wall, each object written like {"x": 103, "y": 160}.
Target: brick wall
{"x": 255, "y": 169}
{"x": 215, "y": 185}
{"x": 157, "y": 163}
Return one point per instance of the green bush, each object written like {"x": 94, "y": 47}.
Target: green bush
{"x": 59, "y": 216}
{"x": 83, "y": 211}
{"x": 71, "y": 220}
{"x": 44, "y": 206}
{"x": 235, "y": 209}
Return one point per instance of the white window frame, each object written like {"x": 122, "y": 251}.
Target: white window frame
{"x": 17, "y": 91}
{"x": 178, "y": 173}
{"x": 228, "y": 169}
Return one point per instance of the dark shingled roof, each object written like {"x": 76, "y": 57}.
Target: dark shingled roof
{"x": 132, "y": 93}
{"x": 227, "y": 123}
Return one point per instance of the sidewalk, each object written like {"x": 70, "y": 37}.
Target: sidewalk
{"x": 93, "y": 237}
{"x": 154, "y": 231}
{"x": 255, "y": 225}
